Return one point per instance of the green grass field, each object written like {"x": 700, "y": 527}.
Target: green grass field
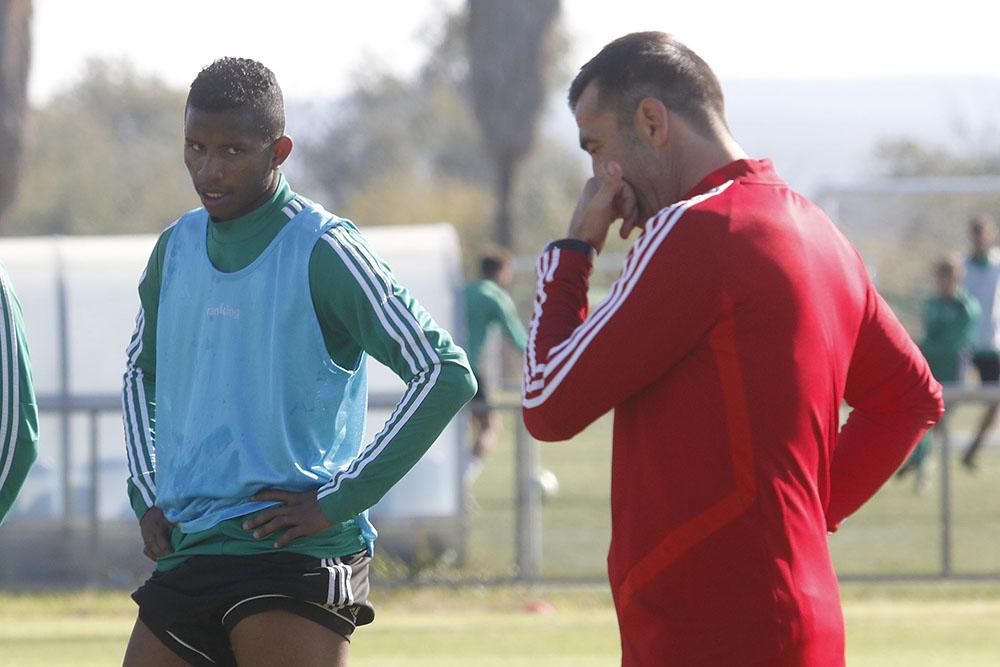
{"x": 930, "y": 625}
{"x": 896, "y": 533}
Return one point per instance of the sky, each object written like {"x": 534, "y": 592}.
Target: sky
{"x": 316, "y": 46}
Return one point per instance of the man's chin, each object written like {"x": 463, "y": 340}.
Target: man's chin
{"x": 221, "y": 211}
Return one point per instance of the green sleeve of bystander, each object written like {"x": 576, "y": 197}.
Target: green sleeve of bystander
{"x": 18, "y": 410}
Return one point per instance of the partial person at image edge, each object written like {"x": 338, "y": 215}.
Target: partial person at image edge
{"x": 18, "y": 411}
{"x": 740, "y": 323}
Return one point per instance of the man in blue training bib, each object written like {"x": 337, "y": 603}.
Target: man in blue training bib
{"x": 257, "y": 314}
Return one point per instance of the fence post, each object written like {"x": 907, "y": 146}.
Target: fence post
{"x": 529, "y": 515}
{"x": 62, "y": 319}
{"x": 94, "y": 509}
{"x": 462, "y": 496}
{"x": 945, "y": 497}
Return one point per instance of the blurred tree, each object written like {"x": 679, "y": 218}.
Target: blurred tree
{"x": 107, "y": 157}
{"x": 509, "y": 56}
{"x": 15, "y": 62}
{"x": 419, "y": 129}
{"x": 974, "y": 152}
{"x": 107, "y": 154}
{"x": 397, "y": 151}
{"x": 906, "y": 157}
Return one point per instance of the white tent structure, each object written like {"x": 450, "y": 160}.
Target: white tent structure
{"x": 80, "y": 301}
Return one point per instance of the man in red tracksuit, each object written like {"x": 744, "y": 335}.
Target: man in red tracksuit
{"x": 740, "y": 323}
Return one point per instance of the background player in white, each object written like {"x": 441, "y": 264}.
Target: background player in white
{"x": 982, "y": 279}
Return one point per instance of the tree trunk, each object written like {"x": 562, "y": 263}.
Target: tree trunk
{"x": 15, "y": 61}
{"x": 508, "y": 56}
{"x": 504, "y": 227}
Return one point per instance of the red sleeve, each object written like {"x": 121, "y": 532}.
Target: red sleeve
{"x": 895, "y": 399}
{"x": 579, "y": 367}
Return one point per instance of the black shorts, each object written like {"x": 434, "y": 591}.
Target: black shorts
{"x": 193, "y": 607}
{"x": 481, "y": 401}
{"x": 988, "y": 366}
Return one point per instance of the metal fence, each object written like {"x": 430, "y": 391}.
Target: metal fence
{"x": 102, "y": 553}
{"x": 954, "y": 397}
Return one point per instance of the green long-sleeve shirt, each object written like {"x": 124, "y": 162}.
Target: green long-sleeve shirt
{"x": 18, "y": 411}
{"x": 488, "y": 305}
{"x": 352, "y": 317}
{"x": 949, "y": 327}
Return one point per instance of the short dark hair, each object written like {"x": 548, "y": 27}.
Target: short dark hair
{"x": 653, "y": 64}
{"x": 493, "y": 260}
{"x": 241, "y": 83}
{"x": 983, "y": 222}
{"x": 949, "y": 265}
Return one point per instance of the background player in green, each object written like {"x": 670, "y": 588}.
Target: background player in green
{"x": 488, "y": 306}
{"x": 249, "y": 356}
{"x": 18, "y": 412}
{"x": 950, "y": 319}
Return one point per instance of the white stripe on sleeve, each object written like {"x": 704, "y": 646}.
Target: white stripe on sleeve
{"x": 406, "y": 332}
{"x": 137, "y": 427}
{"x": 559, "y": 365}
{"x": 9, "y": 395}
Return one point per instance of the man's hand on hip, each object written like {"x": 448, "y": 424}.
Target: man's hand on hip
{"x": 299, "y": 514}
{"x": 155, "y": 534}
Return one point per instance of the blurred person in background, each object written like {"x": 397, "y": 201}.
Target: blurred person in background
{"x": 740, "y": 323}
{"x": 982, "y": 279}
{"x": 950, "y": 319}
{"x": 258, "y": 312}
{"x": 488, "y": 306}
{"x": 18, "y": 412}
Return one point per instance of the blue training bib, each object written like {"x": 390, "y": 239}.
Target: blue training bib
{"x": 247, "y": 396}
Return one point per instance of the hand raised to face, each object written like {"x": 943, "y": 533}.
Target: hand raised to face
{"x": 605, "y": 198}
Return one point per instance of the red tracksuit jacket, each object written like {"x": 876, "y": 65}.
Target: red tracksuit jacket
{"x": 741, "y": 321}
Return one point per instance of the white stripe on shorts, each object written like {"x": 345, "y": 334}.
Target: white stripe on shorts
{"x": 186, "y": 645}
{"x": 255, "y": 597}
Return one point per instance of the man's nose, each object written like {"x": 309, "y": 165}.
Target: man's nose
{"x": 211, "y": 167}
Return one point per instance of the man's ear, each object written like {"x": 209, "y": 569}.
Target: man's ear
{"x": 282, "y": 149}
{"x": 652, "y": 121}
